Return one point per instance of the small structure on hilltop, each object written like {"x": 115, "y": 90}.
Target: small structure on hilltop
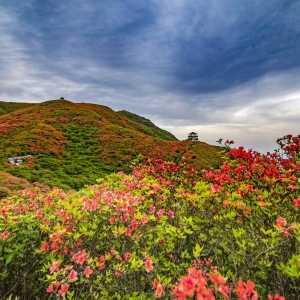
{"x": 193, "y": 136}
{"x": 18, "y": 160}
{"x": 61, "y": 98}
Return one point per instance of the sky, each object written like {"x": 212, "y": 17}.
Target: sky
{"x": 222, "y": 68}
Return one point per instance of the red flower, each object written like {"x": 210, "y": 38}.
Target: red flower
{"x": 88, "y": 272}
{"x": 80, "y": 257}
{"x": 297, "y": 202}
{"x": 246, "y": 290}
{"x": 148, "y": 263}
{"x": 73, "y": 276}
{"x": 215, "y": 188}
{"x": 45, "y": 247}
{"x": 217, "y": 279}
{"x": 63, "y": 289}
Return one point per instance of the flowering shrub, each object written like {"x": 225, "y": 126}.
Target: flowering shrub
{"x": 160, "y": 232}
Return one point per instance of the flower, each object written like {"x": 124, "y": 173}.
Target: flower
{"x": 246, "y": 290}
{"x": 215, "y": 188}
{"x": 217, "y": 279}
{"x": 88, "y": 271}
{"x": 63, "y": 289}
{"x": 54, "y": 267}
{"x": 90, "y": 204}
{"x": 126, "y": 256}
{"x": 45, "y": 247}
{"x": 159, "y": 289}
{"x": 275, "y": 297}
{"x": 50, "y": 288}
{"x": 148, "y": 263}
{"x": 280, "y": 222}
{"x": 4, "y": 235}
{"x": 101, "y": 262}
{"x": 73, "y": 276}
{"x": 297, "y": 202}
{"x": 224, "y": 290}
{"x": 80, "y": 257}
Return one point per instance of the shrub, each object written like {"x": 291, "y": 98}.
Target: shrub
{"x": 160, "y": 232}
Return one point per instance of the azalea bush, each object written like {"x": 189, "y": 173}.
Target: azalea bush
{"x": 164, "y": 231}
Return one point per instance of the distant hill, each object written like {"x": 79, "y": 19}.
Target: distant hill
{"x": 73, "y": 144}
{"x": 7, "y": 107}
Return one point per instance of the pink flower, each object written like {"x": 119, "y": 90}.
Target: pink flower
{"x": 73, "y": 276}
{"x": 171, "y": 214}
{"x": 50, "y": 288}
{"x": 54, "y": 267}
{"x": 88, "y": 272}
{"x": 148, "y": 263}
{"x": 224, "y": 290}
{"x": 80, "y": 257}
{"x": 297, "y": 202}
{"x": 4, "y": 235}
{"x": 280, "y": 222}
{"x": 215, "y": 188}
{"x": 54, "y": 286}
{"x": 275, "y": 297}
{"x": 63, "y": 289}
{"x": 90, "y": 204}
{"x": 159, "y": 289}
{"x": 126, "y": 256}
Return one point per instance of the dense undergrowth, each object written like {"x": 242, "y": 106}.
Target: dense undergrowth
{"x": 161, "y": 232}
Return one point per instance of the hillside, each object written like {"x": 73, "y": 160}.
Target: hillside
{"x": 7, "y": 107}
{"x": 73, "y": 144}
{"x": 149, "y": 127}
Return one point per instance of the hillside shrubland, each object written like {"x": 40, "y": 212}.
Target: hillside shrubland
{"x": 162, "y": 231}
{"x": 73, "y": 144}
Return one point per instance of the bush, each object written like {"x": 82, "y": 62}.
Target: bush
{"x": 161, "y": 233}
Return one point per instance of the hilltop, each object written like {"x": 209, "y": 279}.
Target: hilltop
{"x": 74, "y": 144}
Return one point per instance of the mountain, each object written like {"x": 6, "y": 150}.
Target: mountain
{"x": 73, "y": 144}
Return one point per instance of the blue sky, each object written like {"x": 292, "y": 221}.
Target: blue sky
{"x": 227, "y": 68}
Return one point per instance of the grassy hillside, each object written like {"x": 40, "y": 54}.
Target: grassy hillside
{"x": 73, "y": 144}
{"x": 7, "y": 107}
{"x": 149, "y": 127}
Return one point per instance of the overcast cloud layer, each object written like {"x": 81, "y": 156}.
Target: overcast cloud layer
{"x": 223, "y": 68}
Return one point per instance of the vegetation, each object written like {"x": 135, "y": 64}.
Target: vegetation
{"x": 74, "y": 144}
{"x": 7, "y": 107}
{"x": 161, "y": 232}
{"x": 149, "y": 127}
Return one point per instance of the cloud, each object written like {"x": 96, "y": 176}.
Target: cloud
{"x": 223, "y": 68}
